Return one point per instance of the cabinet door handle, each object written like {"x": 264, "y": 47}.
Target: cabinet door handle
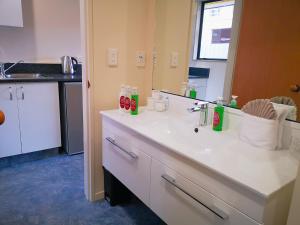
{"x": 113, "y": 142}
{"x": 23, "y": 95}
{"x": 218, "y": 212}
{"x": 10, "y": 94}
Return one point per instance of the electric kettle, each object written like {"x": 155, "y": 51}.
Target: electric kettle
{"x": 68, "y": 64}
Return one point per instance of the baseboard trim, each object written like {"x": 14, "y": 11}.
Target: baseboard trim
{"x": 99, "y": 195}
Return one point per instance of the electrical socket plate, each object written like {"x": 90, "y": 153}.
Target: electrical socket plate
{"x": 174, "y": 59}
{"x": 140, "y": 59}
{"x": 112, "y": 57}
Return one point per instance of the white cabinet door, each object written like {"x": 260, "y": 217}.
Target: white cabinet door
{"x": 10, "y": 143}
{"x": 179, "y": 201}
{"x": 11, "y": 13}
{"x": 39, "y": 116}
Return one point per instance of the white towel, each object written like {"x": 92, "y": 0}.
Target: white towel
{"x": 283, "y": 111}
{"x": 259, "y": 132}
{"x": 264, "y": 133}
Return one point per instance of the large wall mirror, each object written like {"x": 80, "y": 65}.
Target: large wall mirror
{"x": 244, "y": 48}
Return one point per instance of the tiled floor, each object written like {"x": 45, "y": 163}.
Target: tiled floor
{"x": 50, "y": 191}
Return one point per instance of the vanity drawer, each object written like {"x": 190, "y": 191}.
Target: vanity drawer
{"x": 177, "y": 200}
{"x": 127, "y": 163}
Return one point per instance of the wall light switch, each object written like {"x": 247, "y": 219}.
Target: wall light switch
{"x": 112, "y": 56}
{"x": 174, "y": 59}
{"x": 140, "y": 59}
{"x": 154, "y": 56}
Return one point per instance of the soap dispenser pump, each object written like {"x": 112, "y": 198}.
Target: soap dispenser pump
{"x": 233, "y": 102}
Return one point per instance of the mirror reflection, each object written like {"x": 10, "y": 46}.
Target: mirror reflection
{"x": 236, "y": 49}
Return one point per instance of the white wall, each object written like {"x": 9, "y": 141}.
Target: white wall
{"x": 51, "y": 29}
{"x": 215, "y": 82}
{"x": 127, "y": 25}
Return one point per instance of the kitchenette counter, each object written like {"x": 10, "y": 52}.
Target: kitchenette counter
{"x": 40, "y": 72}
{"x": 45, "y": 78}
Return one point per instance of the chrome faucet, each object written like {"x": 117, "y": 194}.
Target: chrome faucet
{"x": 3, "y": 70}
{"x": 202, "y": 107}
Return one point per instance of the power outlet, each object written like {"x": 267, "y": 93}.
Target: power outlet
{"x": 112, "y": 57}
{"x": 140, "y": 59}
{"x": 174, "y": 59}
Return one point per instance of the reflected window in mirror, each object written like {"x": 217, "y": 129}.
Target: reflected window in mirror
{"x": 215, "y": 29}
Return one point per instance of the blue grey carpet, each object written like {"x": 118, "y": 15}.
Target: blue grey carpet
{"x": 50, "y": 192}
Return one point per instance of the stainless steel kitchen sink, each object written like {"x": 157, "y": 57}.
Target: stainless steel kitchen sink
{"x": 24, "y": 76}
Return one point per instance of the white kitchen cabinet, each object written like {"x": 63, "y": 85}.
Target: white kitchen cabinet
{"x": 39, "y": 116}
{"x": 10, "y": 143}
{"x": 11, "y": 13}
{"x": 32, "y": 118}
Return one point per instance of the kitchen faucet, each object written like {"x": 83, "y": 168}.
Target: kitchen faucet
{"x": 3, "y": 70}
{"x": 202, "y": 107}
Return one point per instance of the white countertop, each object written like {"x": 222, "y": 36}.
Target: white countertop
{"x": 259, "y": 170}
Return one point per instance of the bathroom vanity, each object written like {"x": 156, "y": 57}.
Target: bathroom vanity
{"x": 196, "y": 178}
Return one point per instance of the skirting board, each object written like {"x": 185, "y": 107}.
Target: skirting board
{"x": 99, "y": 195}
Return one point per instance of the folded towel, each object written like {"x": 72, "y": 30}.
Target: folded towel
{"x": 259, "y": 132}
{"x": 265, "y": 133}
{"x": 283, "y": 111}
{"x": 285, "y": 100}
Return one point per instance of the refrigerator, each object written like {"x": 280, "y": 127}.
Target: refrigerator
{"x": 71, "y": 117}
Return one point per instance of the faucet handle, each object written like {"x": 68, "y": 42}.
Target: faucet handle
{"x": 201, "y": 104}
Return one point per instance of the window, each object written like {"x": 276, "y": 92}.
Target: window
{"x": 215, "y": 29}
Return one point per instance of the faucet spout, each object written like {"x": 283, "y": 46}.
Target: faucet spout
{"x": 3, "y": 70}
{"x": 13, "y": 65}
{"x": 201, "y": 107}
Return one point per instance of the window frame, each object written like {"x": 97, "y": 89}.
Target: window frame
{"x": 200, "y": 33}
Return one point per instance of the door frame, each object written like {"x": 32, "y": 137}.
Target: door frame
{"x": 87, "y": 101}
{"x": 233, "y": 47}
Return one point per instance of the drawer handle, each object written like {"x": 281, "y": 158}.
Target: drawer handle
{"x": 23, "y": 95}
{"x": 218, "y": 212}
{"x": 10, "y": 94}
{"x": 131, "y": 154}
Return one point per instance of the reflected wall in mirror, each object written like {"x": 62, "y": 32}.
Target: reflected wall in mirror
{"x": 224, "y": 47}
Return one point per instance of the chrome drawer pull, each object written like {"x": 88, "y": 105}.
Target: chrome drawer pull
{"x": 23, "y": 95}
{"x": 10, "y": 94}
{"x": 131, "y": 154}
{"x": 218, "y": 212}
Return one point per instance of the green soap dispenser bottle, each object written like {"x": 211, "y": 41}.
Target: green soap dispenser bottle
{"x": 134, "y": 104}
{"x": 218, "y": 115}
{"x": 193, "y": 92}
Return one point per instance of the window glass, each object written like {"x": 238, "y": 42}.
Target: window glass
{"x": 216, "y": 29}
